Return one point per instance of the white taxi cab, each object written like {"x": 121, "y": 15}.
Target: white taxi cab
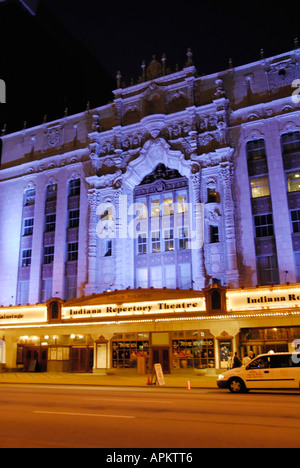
{"x": 266, "y": 371}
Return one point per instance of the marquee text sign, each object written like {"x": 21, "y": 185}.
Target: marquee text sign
{"x": 262, "y": 299}
{"x": 11, "y": 316}
{"x": 188, "y": 305}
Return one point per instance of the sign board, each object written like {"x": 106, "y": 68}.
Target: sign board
{"x": 257, "y": 299}
{"x": 180, "y": 306}
{"x": 159, "y": 374}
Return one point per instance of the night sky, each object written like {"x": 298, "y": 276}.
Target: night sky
{"x": 70, "y": 52}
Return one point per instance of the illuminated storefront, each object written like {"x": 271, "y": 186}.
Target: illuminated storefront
{"x": 134, "y": 329}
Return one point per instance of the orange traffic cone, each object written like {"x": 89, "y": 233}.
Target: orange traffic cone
{"x": 188, "y": 387}
{"x": 148, "y": 381}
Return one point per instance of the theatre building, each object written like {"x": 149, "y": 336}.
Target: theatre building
{"x": 134, "y": 329}
{"x": 161, "y": 227}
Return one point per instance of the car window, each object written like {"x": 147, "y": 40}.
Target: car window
{"x": 295, "y": 358}
{"x": 281, "y": 361}
{"x": 260, "y": 363}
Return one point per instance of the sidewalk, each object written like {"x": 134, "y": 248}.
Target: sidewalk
{"x": 120, "y": 379}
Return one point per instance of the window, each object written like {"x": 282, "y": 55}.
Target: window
{"x": 50, "y": 222}
{"x": 182, "y": 203}
{"x": 47, "y": 289}
{"x": 142, "y": 244}
{"x": 71, "y": 287}
{"x": 73, "y": 218}
{"x": 183, "y": 238}
{"x": 108, "y": 248}
{"x": 29, "y": 198}
{"x": 214, "y": 234}
{"x": 293, "y": 181}
{"x": 168, "y": 205}
{"x": 51, "y": 192}
{"x": 297, "y": 261}
{"x": 267, "y": 270}
{"x": 295, "y": 215}
{"x": 184, "y": 276}
{"x": 142, "y": 278}
{"x": 155, "y": 208}
{"x": 290, "y": 142}
{"x": 72, "y": 251}
{"x": 212, "y": 196}
{"x": 260, "y": 363}
{"x": 264, "y": 225}
{"x": 169, "y": 240}
{"x": 107, "y": 215}
{"x": 155, "y": 242}
{"x": 28, "y": 227}
{"x": 48, "y": 255}
{"x": 260, "y": 186}
{"x": 74, "y": 187}
{"x": 23, "y": 292}
{"x": 141, "y": 208}
{"x": 256, "y": 149}
{"x": 26, "y": 257}
{"x": 156, "y": 277}
{"x": 170, "y": 276}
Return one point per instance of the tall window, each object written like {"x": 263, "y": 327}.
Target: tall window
{"x": 260, "y": 186}
{"x": 29, "y": 197}
{"x": 267, "y": 270}
{"x": 50, "y": 222}
{"x": 72, "y": 251}
{"x": 74, "y": 187}
{"x": 264, "y": 225}
{"x": 26, "y": 257}
{"x": 23, "y": 292}
{"x": 297, "y": 261}
{"x": 256, "y": 149}
{"x": 293, "y": 181}
{"x": 295, "y": 215}
{"x": 73, "y": 218}
{"x": 290, "y": 142}
{"x": 28, "y": 226}
{"x": 162, "y": 248}
{"x": 51, "y": 192}
{"x": 48, "y": 254}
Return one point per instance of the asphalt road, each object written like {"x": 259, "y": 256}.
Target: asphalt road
{"x": 68, "y": 417}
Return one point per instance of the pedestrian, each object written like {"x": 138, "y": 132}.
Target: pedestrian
{"x": 236, "y": 361}
{"x": 230, "y": 361}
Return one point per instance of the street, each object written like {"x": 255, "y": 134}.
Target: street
{"x": 35, "y": 416}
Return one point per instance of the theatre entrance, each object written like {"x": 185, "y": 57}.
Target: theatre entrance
{"x": 35, "y": 359}
{"x": 81, "y": 359}
{"x": 161, "y": 355}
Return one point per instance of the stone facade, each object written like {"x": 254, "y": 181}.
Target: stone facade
{"x": 200, "y": 126}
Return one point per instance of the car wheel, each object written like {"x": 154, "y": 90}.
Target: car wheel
{"x": 236, "y": 385}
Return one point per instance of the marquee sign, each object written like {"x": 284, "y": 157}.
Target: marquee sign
{"x": 277, "y": 298}
{"x": 22, "y": 315}
{"x": 185, "y": 306}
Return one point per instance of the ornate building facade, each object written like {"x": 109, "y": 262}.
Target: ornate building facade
{"x": 182, "y": 182}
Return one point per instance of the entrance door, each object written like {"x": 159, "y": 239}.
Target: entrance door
{"x": 82, "y": 359}
{"x": 161, "y": 356}
{"x": 35, "y": 359}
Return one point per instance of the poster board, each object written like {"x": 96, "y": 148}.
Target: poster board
{"x": 158, "y": 374}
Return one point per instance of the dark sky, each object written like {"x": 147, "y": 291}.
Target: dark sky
{"x": 71, "y": 51}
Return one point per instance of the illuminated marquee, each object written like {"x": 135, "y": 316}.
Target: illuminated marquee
{"x": 277, "y": 298}
{"x": 189, "y": 305}
{"x": 22, "y": 315}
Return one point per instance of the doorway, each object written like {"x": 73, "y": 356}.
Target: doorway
{"x": 35, "y": 359}
{"x": 161, "y": 355}
{"x": 82, "y": 359}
